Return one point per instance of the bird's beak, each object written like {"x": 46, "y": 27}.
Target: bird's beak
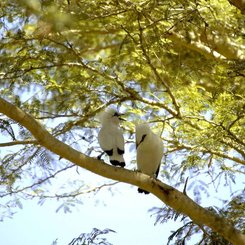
{"x": 121, "y": 118}
{"x": 119, "y": 115}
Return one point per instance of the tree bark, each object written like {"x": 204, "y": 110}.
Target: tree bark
{"x": 169, "y": 195}
{"x": 240, "y": 4}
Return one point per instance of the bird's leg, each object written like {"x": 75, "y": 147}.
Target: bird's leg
{"x": 100, "y": 155}
{"x": 139, "y": 189}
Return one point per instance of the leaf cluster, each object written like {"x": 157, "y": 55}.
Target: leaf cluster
{"x": 92, "y": 238}
{"x": 232, "y": 211}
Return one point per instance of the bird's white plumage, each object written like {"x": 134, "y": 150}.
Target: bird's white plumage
{"x": 111, "y": 137}
{"x": 149, "y": 151}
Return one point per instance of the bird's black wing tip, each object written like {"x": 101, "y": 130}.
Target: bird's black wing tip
{"x": 109, "y": 152}
{"x": 120, "y": 152}
{"x": 143, "y": 191}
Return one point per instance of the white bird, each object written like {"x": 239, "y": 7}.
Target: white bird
{"x": 149, "y": 152}
{"x": 111, "y": 137}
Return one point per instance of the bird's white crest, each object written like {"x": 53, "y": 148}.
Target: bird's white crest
{"x": 109, "y": 116}
{"x": 111, "y": 137}
{"x": 149, "y": 151}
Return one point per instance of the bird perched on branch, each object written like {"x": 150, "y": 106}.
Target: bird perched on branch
{"x": 111, "y": 137}
{"x": 149, "y": 152}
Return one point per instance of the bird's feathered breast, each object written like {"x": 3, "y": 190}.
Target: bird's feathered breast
{"x": 111, "y": 137}
{"x": 149, "y": 154}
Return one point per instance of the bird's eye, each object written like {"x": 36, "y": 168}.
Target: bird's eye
{"x": 116, "y": 114}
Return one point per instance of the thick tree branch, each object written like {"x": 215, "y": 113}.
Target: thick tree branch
{"x": 170, "y": 196}
{"x": 195, "y": 46}
{"x": 240, "y": 4}
{"x": 211, "y": 46}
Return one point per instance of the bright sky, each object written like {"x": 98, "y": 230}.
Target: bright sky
{"x": 125, "y": 211}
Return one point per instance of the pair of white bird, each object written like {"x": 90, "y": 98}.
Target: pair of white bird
{"x": 149, "y": 146}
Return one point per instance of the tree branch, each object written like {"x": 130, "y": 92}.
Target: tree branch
{"x": 170, "y": 196}
{"x": 204, "y": 150}
{"x": 211, "y": 47}
{"x": 153, "y": 68}
{"x": 240, "y": 4}
{"x": 18, "y": 142}
{"x": 195, "y": 46}
{"x": 38, "y": 183}
{"x": 73, "y": 194}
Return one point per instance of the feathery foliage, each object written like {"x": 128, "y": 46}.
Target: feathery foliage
{"x": 177, "y": 64}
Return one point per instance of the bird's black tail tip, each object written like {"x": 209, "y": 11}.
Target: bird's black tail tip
{"x": 117, "y": 163}
{"x": 143, "y": 191}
